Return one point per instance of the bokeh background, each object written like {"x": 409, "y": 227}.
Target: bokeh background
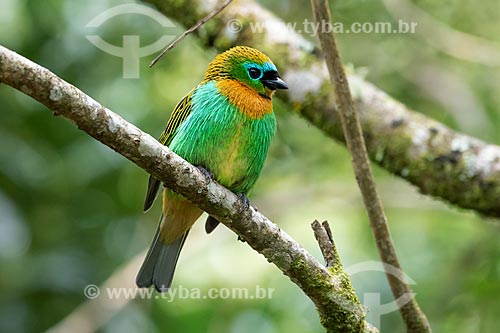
{"x": 71, "y": 209}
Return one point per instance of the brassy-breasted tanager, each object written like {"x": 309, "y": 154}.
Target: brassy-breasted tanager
{"x": 223, "y": 126}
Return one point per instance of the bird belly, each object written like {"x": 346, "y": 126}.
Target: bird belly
{"x": 227, "y": 153}
{"x": 229, "y": 162}
{"x": 225, "y": 141}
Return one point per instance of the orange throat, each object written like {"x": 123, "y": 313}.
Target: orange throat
{"x": 245, "y": 98}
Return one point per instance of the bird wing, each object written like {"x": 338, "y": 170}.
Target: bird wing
{"x": 180, "y": 113}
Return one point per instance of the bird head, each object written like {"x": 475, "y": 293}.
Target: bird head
{"x": 248, "y": 66}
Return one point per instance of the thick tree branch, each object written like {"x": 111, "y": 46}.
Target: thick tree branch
{"x": 441, "y": 162}
{"x": 413, "y": 317}
{"x": 338, "y": 311}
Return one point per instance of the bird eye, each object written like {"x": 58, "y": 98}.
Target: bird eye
{"x": 254, "y": 73}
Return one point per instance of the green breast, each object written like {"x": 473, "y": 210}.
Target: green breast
{"x": 217, "y": 136}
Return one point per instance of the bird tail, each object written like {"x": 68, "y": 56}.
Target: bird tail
{"x": 159, "y": 266}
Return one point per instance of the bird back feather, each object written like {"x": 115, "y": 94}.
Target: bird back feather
{"x": 180, "y": 113}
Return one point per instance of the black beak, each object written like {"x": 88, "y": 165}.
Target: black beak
{"x": 272, "y": 80}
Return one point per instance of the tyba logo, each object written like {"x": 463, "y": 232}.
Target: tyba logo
{"x": 131, "y": 50}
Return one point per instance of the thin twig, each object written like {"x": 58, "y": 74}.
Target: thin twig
{"x": 413, "y": 317}
{"x": 324, "y": 237}
{"x": 190, "y": 30}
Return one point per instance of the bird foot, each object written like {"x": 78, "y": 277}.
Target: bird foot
{"x": 244, "y": 200}
{"x": 205, "y": 172}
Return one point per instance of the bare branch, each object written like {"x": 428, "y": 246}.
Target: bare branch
{"x": 452, "y": 166}
{"x": 337, "y": 310}
{"x": 413, "y": 317}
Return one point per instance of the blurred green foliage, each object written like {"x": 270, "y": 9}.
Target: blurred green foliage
{"x": 71, "y": 209}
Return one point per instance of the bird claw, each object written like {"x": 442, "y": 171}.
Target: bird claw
{"x": 205, "y": 172}
{"x": 244, "y": 200}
